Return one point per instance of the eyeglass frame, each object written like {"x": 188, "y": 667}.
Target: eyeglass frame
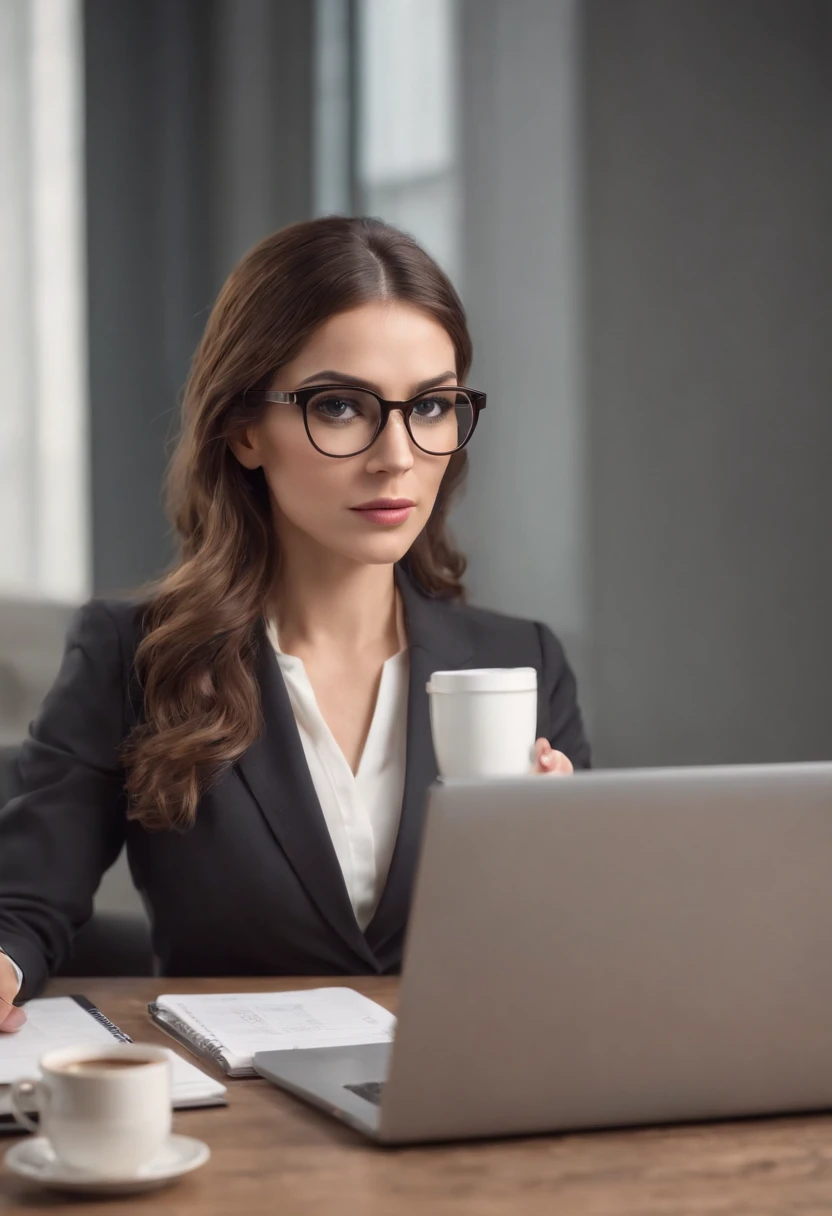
{"x": 302, "y": 396}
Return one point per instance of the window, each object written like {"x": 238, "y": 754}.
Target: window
{"x": 43, "y": 416}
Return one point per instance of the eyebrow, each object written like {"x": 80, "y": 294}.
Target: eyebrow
{"x": 332, "y": 377}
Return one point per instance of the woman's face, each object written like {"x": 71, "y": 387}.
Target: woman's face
{"x": 396, "y": 350}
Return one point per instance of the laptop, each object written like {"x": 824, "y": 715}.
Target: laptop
{"x": 612, "y": 949}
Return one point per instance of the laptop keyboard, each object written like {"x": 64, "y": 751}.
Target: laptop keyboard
{"x": 370, "y": 1091}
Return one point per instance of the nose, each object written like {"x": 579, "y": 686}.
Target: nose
{"x": 392, "y": 451}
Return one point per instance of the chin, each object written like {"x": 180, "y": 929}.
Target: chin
{"x": 383, "y": 554}
{"x": 379, "y": 550}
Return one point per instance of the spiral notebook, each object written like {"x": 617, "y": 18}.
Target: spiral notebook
{"x": 230, "y": 1027}
{"x": 64, "y": 1021}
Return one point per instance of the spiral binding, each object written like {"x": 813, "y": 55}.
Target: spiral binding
{"x": 206, "y": 1044}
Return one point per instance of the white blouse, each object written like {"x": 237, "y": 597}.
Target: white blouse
{"x": 362, "y": 810}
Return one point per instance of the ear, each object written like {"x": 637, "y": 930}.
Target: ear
{"x": 245, "y": 445}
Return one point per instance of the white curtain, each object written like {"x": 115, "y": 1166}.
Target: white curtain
{"x": 44, "y": 507}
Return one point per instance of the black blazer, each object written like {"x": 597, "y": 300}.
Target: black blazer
{"x": 255, "y": 886}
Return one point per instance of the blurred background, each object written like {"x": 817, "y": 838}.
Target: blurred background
{"x": 634, "y": 198}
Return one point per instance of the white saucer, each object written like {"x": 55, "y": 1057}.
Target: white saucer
{"x": 35, "y": 1159}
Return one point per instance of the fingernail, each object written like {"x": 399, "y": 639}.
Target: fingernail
{"x": 546, "y": 758}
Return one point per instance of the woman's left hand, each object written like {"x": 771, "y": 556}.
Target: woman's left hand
{"x": 550, "y": 761}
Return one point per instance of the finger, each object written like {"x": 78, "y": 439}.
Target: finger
{"x": 14, "y": 1020}
{"x": 553, "y": 762}
{"x": 8, "y": 991}
{"x": 562, "y": 764}
{"x": 544, "y": 756}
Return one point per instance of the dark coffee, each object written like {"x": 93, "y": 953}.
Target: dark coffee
{"x": 104, "y": 1064}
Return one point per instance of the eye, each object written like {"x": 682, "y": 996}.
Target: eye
{"x": 435, "y": 406}
{"x": 336, "y": 407}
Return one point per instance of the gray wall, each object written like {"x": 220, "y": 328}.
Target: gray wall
{"x": 523, "y": 521}
{"x": 199, "y": 121}
{"x": 648, "y": 272}
{"x": 708, "y": 145}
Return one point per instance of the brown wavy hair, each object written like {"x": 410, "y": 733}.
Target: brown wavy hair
{"x": 196, "y": 660}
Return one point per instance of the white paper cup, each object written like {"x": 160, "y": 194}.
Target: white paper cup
{"x": 107, "y": 1120}
{"x": 483, "y": 721}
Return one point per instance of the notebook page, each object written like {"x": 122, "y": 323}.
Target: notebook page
{"x": 51, "y": 1023}
{"x": 248, "y": 1022}
{"x": 59, "y": 1021}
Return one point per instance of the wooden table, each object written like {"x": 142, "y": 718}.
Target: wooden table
{"x": 273, "y": 1154}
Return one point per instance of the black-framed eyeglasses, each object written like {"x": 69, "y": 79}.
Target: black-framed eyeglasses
{"x": 342, "y": 421}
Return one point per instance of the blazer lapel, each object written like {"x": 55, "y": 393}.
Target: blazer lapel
{"x": 276, "y": 772}
{"x": 438, "y": 641}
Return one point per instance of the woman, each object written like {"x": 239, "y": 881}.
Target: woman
{"x": 256, "y": 728}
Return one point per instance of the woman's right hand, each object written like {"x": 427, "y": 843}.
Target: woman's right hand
{"x": 11, "y": 1018}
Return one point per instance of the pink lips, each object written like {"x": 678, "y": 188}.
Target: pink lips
{"x": 385, "y": 510}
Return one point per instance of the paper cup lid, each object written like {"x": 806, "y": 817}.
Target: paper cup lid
{"x": 484, "y": 679}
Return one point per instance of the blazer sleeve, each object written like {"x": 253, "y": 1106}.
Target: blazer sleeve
{"x": 67, "y": 825}
{"x": 560, "y": 697}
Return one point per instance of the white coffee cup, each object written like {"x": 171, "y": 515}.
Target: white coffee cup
{"x": 105, "y": 1110}
{"x": 483, "y": 721}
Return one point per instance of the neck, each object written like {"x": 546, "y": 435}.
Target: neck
{"x": 326, "y": 603}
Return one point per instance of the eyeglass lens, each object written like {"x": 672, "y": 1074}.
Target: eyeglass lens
{"x": 345, "y": 422}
